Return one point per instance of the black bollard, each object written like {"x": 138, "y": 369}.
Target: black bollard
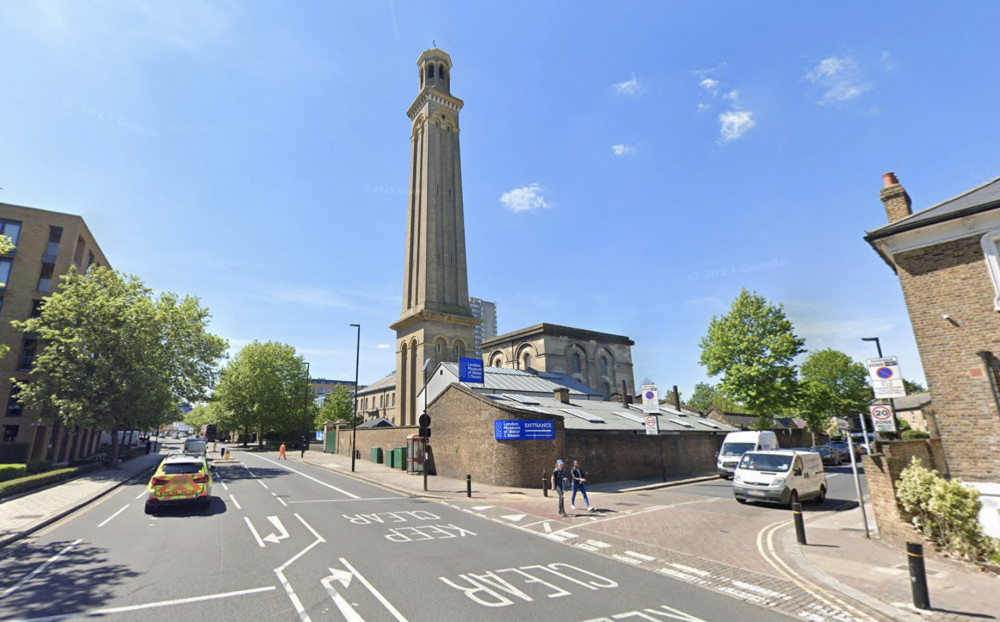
{"x": 800, "y": 525}
{"x": 545, "y": 485}
{"x": 468, "y": 485}
{"x": 918, "y": 575}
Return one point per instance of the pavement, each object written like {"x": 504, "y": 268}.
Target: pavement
{"x": 852, "y": 576}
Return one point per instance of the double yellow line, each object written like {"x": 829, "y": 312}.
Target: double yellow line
{"x": 766, "y": 548}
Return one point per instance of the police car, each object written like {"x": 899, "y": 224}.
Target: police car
{"x": 179, "y": 480}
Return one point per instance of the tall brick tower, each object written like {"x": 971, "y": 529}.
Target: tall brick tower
{"x": 436, "y": 323}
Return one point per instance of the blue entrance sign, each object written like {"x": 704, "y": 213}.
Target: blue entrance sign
{"x": 470, "y": 370}
{"x": 524, "y": 430}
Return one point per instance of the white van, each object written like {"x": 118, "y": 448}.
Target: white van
{"x": 195, "y": 446}
{"x": 785, "y": 476}
{"x": 738, "y": 443}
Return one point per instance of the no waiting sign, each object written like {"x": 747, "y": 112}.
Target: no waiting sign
{"x": 882, "y": 418}
{"x": 887, "y": 381}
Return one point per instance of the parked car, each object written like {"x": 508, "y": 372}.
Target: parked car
{"x": 841, "y": 448}
{"x": 829, "y": 455}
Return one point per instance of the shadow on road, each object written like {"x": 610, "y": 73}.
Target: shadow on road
{"x": 235, "y": 472}
{"x": 81, "y": 578}
{"x": 215, "y": 506}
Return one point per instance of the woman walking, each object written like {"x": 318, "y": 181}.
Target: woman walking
{"x": 579, "y": 485}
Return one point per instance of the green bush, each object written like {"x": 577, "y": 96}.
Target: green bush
{"x": 946, "y": 512}
{"x": 912, "y": 435}
{"x": 40, "y": 466}
{"x": 11, "y": 471}
{"x": 31, "y": 482}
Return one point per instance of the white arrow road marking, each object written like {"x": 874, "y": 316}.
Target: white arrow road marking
{"x": 514, "y": 517}
{"x": 280, "y": 572}
{"x": 282, "y": 533}
{"x": 343, "y": 577}
{"x": 371, "y": 588}
{"x": 254, "y": 532}
{"x": 34, "y": 572}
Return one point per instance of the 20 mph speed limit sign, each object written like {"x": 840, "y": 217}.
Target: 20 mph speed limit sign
{"x": 882, "y": 418}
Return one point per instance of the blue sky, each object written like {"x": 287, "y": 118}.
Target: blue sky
{"x": 627, "y": 167}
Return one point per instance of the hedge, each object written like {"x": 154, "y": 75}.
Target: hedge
{"x": 44, "y": 479}
{"x": 39, "y": 466}
{"x": 11, "y": 471}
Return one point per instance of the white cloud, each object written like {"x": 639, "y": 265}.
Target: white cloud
{"x": 703, "y": 107}
{"x": 733, "y": 96}
{"x": 839, "y": 77}
{"x": 524, "y": 199}
{"x": 620, "y": 150}
{"x": 709, "y": 84}
{"x": 735, "y": 123}
{"x": 629, "y": 87}
{"x": 382, "y": 346}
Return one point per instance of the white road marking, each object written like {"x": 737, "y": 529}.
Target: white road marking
{"x": 750, "y": 587}
{"x": 34, "y": 572}
{"x": 647, "y": 558}
{"x": 514, "y": 517}
{"x": 587, "y": 547}
{"x": 280, "y": 571}
{"x": 282, "y": 502}
{"x": 235, "y": 502}
{"x": 261, "y": 482}
{"x": 254, "y": 532}
{"x": 375, "y": 593}
{"x": 322, "y": 483}
{"x": 357, "y": 499}
{"x": 108, "y": 519}
{"x": 598, "y": 544}
{"x": 681, "y": 575}
{"x": 223, "y": 483}
{"x": 547, "y": 527}
{"x": 163, "y": 603}
{"x": 694, "y": 571}
{"x": 627, "y": 560}
{"x": 480, "y": 508}
{"x": 345, "y": 607}
{"x": 142, "y": 494}
{"x": 650, "y": 509}
{"x": 282, "y": 532}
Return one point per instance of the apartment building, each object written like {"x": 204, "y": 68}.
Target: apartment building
{"x": 46, "y": 245}
{"x": 486, "y": 312}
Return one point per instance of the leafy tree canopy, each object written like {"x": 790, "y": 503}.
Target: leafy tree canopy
{"x": 753, "y": 348}
{"x": 113, "y": 356}
{"x": 706, "y": 396}
{"x": 833, "y": 384}
{"x": 338, "y": 406}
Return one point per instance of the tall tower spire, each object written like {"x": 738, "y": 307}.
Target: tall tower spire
{"x": 436, "y": 323}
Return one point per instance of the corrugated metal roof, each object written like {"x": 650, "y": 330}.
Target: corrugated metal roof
{"x": 516, "y": 380}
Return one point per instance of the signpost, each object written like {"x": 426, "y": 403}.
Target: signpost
{"x": 524, "y": 430}
{"x": 652, "y": 425}
{"x": 470, "y": 370}
{"x": 887, "y": 381}
{"x": 650, "y": 400}
{"x": 882, "y": 418}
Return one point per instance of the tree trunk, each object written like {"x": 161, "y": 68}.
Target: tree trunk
{"x": 246, "y": 436}
{"x": 260, "y": 437}
{"x": 114, "y": 444}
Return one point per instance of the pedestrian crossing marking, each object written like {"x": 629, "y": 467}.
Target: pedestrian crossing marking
{"x": 760, "y": 590}
{"x": 647, "y": 558}
{"x": 627, "y": 560}
{"x": 694, "y": 571}
{"x": 598, "y": 544}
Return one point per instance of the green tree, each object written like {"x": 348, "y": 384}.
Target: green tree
{"x": 265, "y": 387}
{"x": 112, "y": 356}
{"x": 832, "y": 384}
{"x": 706, "y": 395}
{"x": 912, "y": 386}
{"x": 212, "y": 412}
{"x": 338, "y": 406}
{"x": 753, "y": 347}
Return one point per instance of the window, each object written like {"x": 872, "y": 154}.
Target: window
{"x": 459, "y": 349}
{"x": 14, "y": 405}
{"x": 10, "y": 229}
{"x": 52, "y": 250}
{"x": 604, "y": 365}
{"x": 28, "y": 353}
{"x": 430, "y": 71}
{"x": 45, "y": 279}
{"x": 527, "y": 360}
{"x": 78, "y": 253}
{"x": 991, "y": 251}
{"x": 10, "y": 433}
{"x": 90, "y": 259}
{"x": 36, "y": 307}
{"x": 576, "y": 362}
{"x": 5, "y": 265}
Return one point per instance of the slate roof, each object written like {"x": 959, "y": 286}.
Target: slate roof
{"x": 599, "y": 415}
{"x": 978, "y": 199}
{"x": 381, "y": 422}
{"x": 912, "y": 402}
{"x": 517, "y": 380}
{"x": 389, "y": 382}
{"x": 746, "y": 422}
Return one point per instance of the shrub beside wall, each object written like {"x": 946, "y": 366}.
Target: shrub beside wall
{"x": 11, "y": 471}
{"x": 31, "y": 482}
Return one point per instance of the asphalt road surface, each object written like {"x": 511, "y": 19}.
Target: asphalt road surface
{"x": 286, "y": 541}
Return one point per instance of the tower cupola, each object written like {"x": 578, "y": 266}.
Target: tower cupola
{"x": 435, "y": 70}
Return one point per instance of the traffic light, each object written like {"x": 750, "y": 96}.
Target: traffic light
{"x": 425, "y": 425}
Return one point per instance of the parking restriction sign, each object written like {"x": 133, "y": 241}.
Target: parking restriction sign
{"x": 887, "y": 381}
{"x": 882, "y": 418}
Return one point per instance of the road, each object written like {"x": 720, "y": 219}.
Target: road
{"x": 286, "y": 540}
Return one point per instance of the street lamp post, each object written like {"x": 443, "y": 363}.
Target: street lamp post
{"x": 878, "y": 344}
{"x": 354, "y": 415}
{"x": 305, "y": 414}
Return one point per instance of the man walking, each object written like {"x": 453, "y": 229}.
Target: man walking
{"x": 559, "y": 485}
{"x": 579, "y": 485}
{"x": 281, "y": 452}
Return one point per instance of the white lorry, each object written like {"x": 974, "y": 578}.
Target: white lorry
{"x": 738, "y": 443}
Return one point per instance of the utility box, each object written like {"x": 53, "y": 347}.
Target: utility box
{"x": 376, "y": 455}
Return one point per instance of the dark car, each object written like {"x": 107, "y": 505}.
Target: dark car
{"x": 829, "y": 455}
{"x": 840, "y": 447}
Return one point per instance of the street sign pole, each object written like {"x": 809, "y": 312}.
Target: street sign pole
{"x": 864, "y": 431}
{"x": 857, "y": 484}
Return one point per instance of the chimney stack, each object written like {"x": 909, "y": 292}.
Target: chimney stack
{"x": 561, "y": 395}
{"x": 897, "y": 202}
{"x": 626, "y": 398}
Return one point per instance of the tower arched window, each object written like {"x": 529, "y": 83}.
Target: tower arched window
{"x": 430, "y": 71}
{"x": 576, "y": 362}
{"x": 459, "y": 349}
{"x": 527, "y": 360}
{"x": 604, "y": 365}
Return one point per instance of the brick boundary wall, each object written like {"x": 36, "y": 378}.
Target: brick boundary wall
{"x": 883, "y": 470}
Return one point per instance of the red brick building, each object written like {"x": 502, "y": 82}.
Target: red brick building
{"x": 947, "y": 257}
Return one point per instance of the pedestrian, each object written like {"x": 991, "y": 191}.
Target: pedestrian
{"x": 281, "y": 452}
{"x": 222, "y": 452}
{"x": 579, "y": 481}
{"x": 303, "y": 454}
{"x": 559, "y": 484}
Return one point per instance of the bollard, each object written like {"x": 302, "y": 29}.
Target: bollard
{"x": 545, "y": 485}
{"x": 800, "y": 525}
{"x": 468, "y": 485}
{"x": 918, "y": 575}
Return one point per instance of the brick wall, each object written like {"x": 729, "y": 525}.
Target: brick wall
{"x": 952, "y": 279}
{"x": 882, "y": 470}
{"x": 386, "y": 438}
